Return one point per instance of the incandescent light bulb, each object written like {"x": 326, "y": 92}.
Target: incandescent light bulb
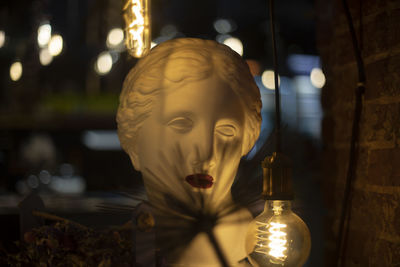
{"x": 278, "y": 237}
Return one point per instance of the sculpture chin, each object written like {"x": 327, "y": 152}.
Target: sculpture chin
{"x": 200, "y": 180}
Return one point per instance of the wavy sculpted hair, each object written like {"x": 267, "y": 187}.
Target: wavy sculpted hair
{"x": 195, "y": 59}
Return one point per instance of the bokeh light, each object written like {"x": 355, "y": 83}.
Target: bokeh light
{"x": 317, "y": 78}
{"x": 45, "y": 57}
{"x": 55, "y": 45}
{"x": 16, "y": 71}
{"x": 32, "y": 181}
{"x": 268, "y": 79}
{"x": 104, "y": 63}
{"x": 44, "y": 35}
{"x": 235, "y": 44}
{"x": 169, "y": 31}
{"x": 2, "y": 38}
{"x": 115, "y": 37}
{"x": 45, "y": 177}
{"x": 223, "y": 26}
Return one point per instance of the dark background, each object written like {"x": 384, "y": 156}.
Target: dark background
{"x": 58, "y": 103}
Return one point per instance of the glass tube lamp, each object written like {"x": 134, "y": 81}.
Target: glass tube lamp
{"x": 136, "y": 14}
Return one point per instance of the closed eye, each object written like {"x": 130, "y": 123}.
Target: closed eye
{"x": 181, "y": 124}
{"x": 226, "y": 130}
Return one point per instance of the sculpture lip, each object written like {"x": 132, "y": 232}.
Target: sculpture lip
{"x": 200, "y": 180}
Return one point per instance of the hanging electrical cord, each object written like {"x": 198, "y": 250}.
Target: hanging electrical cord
{"x": 353, "y": 154}
{"x": 276, "y": 79}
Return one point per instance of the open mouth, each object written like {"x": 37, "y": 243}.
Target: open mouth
{"x": 200, "y": 180}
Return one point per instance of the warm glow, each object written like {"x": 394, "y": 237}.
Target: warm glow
{"x": 235, "y": 44}
{"x": 115, "y": 37}
{"x": 268, "y": 79}
{"x": 2, "y": 38}
{"x": 271, "y": 240}
{"x": 44, "y": 35}
{"x": 277, "y": 240}
{"x": 153, "y": 44}
{"x": 55, "y": 45}
{"x": 45, "y": 57}
{"x": 104, "y": 63}
{"x": 317, "y": 78}
{"x": 136, "y": 15}
{"x": 16, "y": 71}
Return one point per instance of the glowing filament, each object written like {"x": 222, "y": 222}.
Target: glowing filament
{"x": 136, "y": 15}
{"x": 271, "y": 240}
{"x": 277, "y": 240}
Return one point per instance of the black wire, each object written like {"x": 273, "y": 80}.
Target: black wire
{"x": 276, "y": 80}
{"x": 353, "y": 157}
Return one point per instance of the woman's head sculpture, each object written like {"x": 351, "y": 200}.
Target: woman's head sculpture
{"x": 188, "y": 112}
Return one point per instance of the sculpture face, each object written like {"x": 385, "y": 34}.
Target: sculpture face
{"x": 188, "y": 111}
{"x": 192, "y": 137}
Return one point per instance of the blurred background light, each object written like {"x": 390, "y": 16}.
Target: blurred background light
{"x": 33, "y": 181}
{"x": 268, "y": 81}
{"x": 223, "y": 26}
{"x": 235, "y": 44}
{"x": 44, "y": 35}
{"x": 104, "y": 63}
{"x": 302, "y": 64}
{"x": 115, "y": 37}
{"x": 2, "y": 38}
{"x": 317, "y": 78}
{"x": 16, "y": 71}
{"x": 169, "y": 31}
{"x": 55, "y": 45}
{"x": 45, "y": 177}
{"x": 45, "y": 57}
{"x": 101, "y": 140}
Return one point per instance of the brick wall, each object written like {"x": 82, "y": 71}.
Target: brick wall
{"x": 374, "y": 238}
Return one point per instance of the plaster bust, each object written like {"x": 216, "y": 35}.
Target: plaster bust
{"x": 188, "y": 112}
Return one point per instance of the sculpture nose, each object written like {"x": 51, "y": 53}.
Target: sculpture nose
{"x": 203, "y": 158}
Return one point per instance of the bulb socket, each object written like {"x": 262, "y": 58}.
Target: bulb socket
{"x": 277, "y": 177}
